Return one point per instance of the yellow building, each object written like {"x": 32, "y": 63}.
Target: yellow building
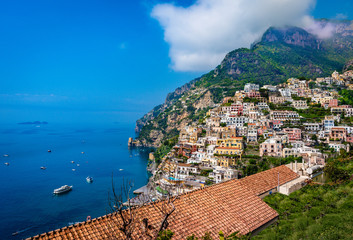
{"x": 232, "y": 142}
{"x": 168, "y": 167}
{"x": 228, "y": 150}
{"x": 238, "y": 96}
{"x": 226, "y": 161}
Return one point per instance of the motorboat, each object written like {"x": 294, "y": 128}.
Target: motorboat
{"x": 82, "y": 152}
{"x": 6, "y": 155}
{"x": 78, "y": 165}
{"x": 49, "y": 151}
{"x": 72, "y": 162}
{"x": 73, "y": 169}
{"x": 7, "y": 164}
{"x": 89, "y": 179}
{"x": 43, "y": 168}
{"x": 121, "y": 169}
{"x": 62, "y": 189}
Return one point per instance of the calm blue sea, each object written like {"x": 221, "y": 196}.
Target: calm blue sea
{"x": 27, "y": 204}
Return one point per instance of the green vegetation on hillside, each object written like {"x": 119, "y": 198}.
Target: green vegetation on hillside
{"x": 281, "y": 54}
{"x": 347, "y": 97}
{"x": 316, "y": 211}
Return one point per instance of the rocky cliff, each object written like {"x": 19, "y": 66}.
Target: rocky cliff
{"x": 281, "y": 53}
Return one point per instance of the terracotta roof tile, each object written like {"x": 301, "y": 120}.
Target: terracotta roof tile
{"x": 229, "y": 206}
{"x": 267, "y": 180}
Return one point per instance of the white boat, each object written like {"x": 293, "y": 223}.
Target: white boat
{"x": 121, "y": 169}
{"x": 6, "y": 155}
{"x": 7, "y": 164}
{"x": 43, "y": 168}
{"x": 73, "y": 169}
{"x": 72, "y": 162}
{"x": 78, "y": 165}
{"x": 89, "y": 179}
{"x": 62, "y": 189}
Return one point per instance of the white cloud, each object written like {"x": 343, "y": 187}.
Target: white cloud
{"x": 200, "y": 35}
{"x": 321, "y": 29}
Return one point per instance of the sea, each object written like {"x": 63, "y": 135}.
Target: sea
{"x": 27, "y": 204}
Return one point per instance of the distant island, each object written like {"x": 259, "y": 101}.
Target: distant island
{"x": 33, "y": 123}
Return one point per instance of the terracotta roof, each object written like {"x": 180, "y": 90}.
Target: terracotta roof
{"x": 229, "y": 206}
{"x": 184, "y": 164}
{"x": 267, "y": 180}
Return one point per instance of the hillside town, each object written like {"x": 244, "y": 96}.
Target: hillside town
{"x": 299, "y": 123}
{"x": 220, "y": 176}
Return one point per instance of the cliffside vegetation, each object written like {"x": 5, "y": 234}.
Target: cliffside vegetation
{"x": 282, "y": 53}
{"x": 317, "y": 211}
{"x": 347, "y": 97}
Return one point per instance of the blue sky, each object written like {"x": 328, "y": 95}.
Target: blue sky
{"x": 64, "y": 60}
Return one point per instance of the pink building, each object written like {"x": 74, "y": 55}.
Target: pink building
{"x": 253, "y": 94}
{"x": 271, "y": 147}
{"x": 277, "y": 123}
{"x": 349, "y": 139}
{"x": 338, "y": 133}
{"x": 333, "y": 103}
{"x": 234, "y": 108}
{"x": 294, "y": 134}
{"x": 237, "y": 108}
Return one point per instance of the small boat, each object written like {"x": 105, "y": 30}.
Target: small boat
{"x": 78, "y": 165}
{"x": 21, "y": 231}
{"x": 7, "y": 164}
{"x": 83, "y": 152}
{"x": 72, "y": 162}
{"x": 74, "y": 169}
{"x": 72, "y": 223}
{"x": 43, "y": 168}
{"x": 121, "y": 169}
{"x": 62, "y": 189}
{"x": 89, "y": 179}
{"x": 6, "y": 155}
{"x": 49, "y": 151}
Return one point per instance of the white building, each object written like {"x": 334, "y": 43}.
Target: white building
{"x": 338, "y": 146}
{"x": 251, "y": 87}
{"x": 285, "y": 92}
{"x": 235, "y": 120}
{"x": 312, "y": 127}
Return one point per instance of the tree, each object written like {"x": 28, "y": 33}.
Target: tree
{"x": 126, "y": 208}
{"x": 335, "y": 173}
{"x": 312, "y": 85}
{"x": 125, "y": 211}
{"x": 314, "y": 138}
{"x": 165, "y": 235}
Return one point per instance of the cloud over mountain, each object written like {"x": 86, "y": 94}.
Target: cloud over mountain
{"x": 200, "y": 35}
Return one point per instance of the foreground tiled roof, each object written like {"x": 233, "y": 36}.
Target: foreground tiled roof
{"x": 229, "y": 206}
{"x": 267, "y": 180}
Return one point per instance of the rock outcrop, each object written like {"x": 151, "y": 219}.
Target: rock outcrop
{"x": 280, "y": 54}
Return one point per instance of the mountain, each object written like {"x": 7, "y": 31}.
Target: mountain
{"x": 280, "y": 54}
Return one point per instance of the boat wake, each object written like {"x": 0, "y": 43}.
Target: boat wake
{"x": 72, "y": 223}
{"x": 21, "y": 231}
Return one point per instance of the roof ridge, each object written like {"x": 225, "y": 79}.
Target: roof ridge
{"x": 243, "y": 221}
